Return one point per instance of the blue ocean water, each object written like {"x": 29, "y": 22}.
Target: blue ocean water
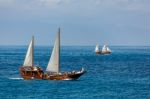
{"x": 125, "y": 74}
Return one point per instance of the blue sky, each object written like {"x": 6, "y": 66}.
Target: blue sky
{"x": 82, "y": 22}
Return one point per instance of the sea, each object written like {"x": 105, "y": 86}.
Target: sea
{"x": 124, "y": 74}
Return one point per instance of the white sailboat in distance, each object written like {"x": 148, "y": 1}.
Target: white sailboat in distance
{"x": 97, "y": 49}
{"x": 105, "y": 50}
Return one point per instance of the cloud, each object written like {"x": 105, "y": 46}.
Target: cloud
{"x": 84, "y": 16}
{"x": 70, "y": 2}
{"x": 82, "y": 7}
{"x": 7, "y": 3}
{"x": 47, "y": 2}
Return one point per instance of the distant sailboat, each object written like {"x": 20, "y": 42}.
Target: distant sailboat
{"x": 97, "y": 49}
{"x": 105, "y": 50}
{"x": 29, "y": 71}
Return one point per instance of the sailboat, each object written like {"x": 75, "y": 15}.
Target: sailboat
{"x": 105, "y": 50}
{"x": 97, "y": 49}
{"x": 29, "y": 71}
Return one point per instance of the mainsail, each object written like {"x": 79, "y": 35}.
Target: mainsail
{"x": 29, "y": 59}
{"x": 97, "y": 48}
{"x": 108, "y": 49}
{"x": 104, "y": 48}
{"x": 54, "y": 62}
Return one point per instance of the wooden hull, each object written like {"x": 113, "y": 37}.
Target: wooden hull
{"x": 103, "y": 53}
{"x": 29, "y": 73}
{"x": 106, "y": 53}
{"x": 98, "y": 52}
{"x": 64, "y": 76}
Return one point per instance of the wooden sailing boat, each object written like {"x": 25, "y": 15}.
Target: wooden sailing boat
{"x": 105, "y": 50}
{"x": 29, "y": 71}
{"x": 53, "y": 69}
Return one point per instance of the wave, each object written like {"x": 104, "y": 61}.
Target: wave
{"x": 17, "y": 78}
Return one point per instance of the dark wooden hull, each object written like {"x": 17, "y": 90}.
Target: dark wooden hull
{"x": 106, "y": 53}
{"x": 98, "y": 52}
{"x": 29, "y": 73}
{"x": 64, "y": 76}
{"x": 103, "y": 53}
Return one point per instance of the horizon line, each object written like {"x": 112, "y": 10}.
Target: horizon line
{"x": 81, "y": 45}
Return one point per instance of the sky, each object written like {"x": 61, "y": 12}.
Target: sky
{"x": 82, "y": 22}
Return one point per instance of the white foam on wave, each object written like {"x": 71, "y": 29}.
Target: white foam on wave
{"x": 17, "y": 78}
{"x": 67, "y": 79}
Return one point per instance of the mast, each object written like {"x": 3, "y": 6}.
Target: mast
{"x": 32, "y": 50}
{"x": 58, "y": 49}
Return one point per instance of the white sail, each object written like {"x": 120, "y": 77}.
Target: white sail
{"x": 97, "y": 48}
{"x": 29, "y": 59}
{"x": 108, "y": 49}
{"x": 53, "y": 65}
{"x": 104, "y": 48}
